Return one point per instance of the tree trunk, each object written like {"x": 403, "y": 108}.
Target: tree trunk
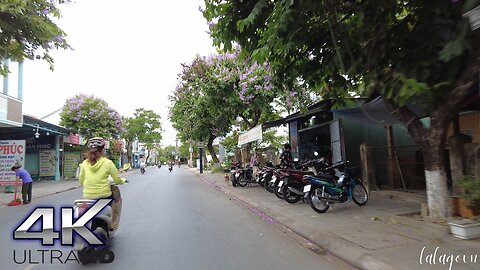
{"x": 129, "y": 152}
{"x": 432, "y": 142}
{"x": 433, "y": 148}
{"x": 212, "y": 150}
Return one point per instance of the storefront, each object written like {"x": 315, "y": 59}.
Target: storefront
{"x": 42, "y": 146}
{"x": 72, "y": 155}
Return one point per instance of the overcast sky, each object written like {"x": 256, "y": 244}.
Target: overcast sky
{"x": 126, "y": 52}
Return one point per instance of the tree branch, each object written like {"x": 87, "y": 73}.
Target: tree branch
{"x": 409, "y": 120}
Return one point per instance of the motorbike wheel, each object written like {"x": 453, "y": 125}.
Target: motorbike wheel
{"x": 278, "y": 190}
{"x": 289, "y": 196}
{"x": 318, "y": 205}
{"x": 84, "y": 255}
{"x": 234, "y": 181}
{"x": 269, "y": 186}
{"x": 242, "y": 181}
{"x": 359, "y": 195}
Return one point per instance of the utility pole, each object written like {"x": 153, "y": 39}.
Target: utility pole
{"x": 176, "y": 150}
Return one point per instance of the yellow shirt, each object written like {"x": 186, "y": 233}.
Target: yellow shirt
{"x": 94, "y": 179}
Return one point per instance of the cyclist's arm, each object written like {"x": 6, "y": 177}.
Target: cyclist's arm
{"x": 81, "y": 176}
{"x": 114, "y": 173}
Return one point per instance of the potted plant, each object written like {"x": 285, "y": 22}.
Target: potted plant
{"x": 469, "y": 207}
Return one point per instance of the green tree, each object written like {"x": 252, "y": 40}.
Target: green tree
{"x": 200, "y": 106}
{"x": 167, "y": 153}
{"x": 91, "y": 117}
{"x": 218, "y": 91}
{"x": 28, "y": 30}
{"x": 144, "y": 126}
{"x": 422, "y": 51}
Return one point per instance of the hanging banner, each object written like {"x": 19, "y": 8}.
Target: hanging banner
{"x": 254, "y": 134}
{"x": 73, "y": 139}
{"x": 72, "y": 159}
{"x": 12, "y": 152}
{"x": 48, "y": 164}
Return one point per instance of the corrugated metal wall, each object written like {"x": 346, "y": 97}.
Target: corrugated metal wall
{"x": 356, "y": 133}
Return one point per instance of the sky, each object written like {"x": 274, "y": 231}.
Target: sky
{"x": 127, "y": 52}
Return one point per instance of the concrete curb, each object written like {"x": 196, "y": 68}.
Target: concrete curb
{"x": 331, "y": 244}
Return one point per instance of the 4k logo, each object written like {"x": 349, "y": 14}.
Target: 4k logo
{"x": 48, "y": 235}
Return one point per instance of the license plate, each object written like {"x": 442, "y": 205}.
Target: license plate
{"x": 232, "y": 171}
{"x": 237, "y": 174}
{"x": 280, "y": 184}
{"x": 307, "y": 188}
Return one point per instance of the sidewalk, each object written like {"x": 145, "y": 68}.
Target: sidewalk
{"x": 384, "y": 234}
{"x": 44, "y": 188}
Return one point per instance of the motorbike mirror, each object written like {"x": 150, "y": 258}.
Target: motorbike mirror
{"x": 295, "y": 159}
{"x": 315, "y": 153}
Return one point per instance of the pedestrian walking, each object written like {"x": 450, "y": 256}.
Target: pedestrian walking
{"x": 22, "y": 174}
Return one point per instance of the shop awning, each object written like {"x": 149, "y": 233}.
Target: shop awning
{"x": 376, "y": 112}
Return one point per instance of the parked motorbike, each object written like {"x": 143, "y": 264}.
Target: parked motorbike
{"x": 292, "y": 187}
{"x": 103, "y": 225}
{"x": 247, "y": 176}
{"x": 235, "y": 171}
{"x": 170, "y": 168}
{"x": 324, "y": 191}
{"x": 159, "y": 165}
{"x": 142, "y": 170}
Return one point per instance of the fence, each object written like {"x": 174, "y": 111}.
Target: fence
{"x": 402, "y": 167}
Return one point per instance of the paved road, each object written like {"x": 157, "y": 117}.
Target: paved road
{"x": 175, "y": 221}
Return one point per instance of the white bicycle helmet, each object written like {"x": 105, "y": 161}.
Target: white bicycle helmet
{"x": 96, "y": 142}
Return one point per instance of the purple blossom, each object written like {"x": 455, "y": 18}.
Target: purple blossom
{"x": 231, "y": 56}
{"x": 268, "y": 78}
{"x": 293, "y": 93}
{"x": 268, "y": 87}
{"x": 250, "y": 97}
{"x": 244, "y": 86}
{"x": 58, "y": 39}
{"x": 211, "y": 25}
{"x": 258, "y": 87}
{"x": 45, "y": 12}
{"x": 200, "y": 9}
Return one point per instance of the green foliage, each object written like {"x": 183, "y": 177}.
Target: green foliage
{"x": 165, "y": 154}
{"x": 28, "y": 30}
{"x": 271, "y": 140}
{"x": 230, "y": 142}
{"x": 471, "y": 187}
{"x": 91, "y": 117}
{"x": 184, "y": 150}
{"x": 145, "y": 126}
{"x": 219, "y": 91}
{"x": 404, "y": 50}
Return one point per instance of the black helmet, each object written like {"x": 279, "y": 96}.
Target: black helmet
{"x": 96, "y": 142}
{"x": 287, "y": 146}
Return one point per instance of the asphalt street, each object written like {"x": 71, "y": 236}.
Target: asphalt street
{"x": 171, "y": 221}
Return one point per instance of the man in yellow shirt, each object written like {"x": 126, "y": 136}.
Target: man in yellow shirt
{"x": 95, "y": 170}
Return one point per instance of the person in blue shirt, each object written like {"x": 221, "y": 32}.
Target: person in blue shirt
{"x": 22, "y": 174}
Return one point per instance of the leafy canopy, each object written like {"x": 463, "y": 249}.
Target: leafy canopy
{"x": 401, "y": 49}
{"x": 91, "y": 117}
{"x": 145, "y": 126}
{"x": 28, "y": 30}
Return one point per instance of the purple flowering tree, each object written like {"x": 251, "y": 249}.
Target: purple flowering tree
{"x": 29, "y": 31}
{"x": 91, "y": 117}
{"x": 218, "y": 91}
